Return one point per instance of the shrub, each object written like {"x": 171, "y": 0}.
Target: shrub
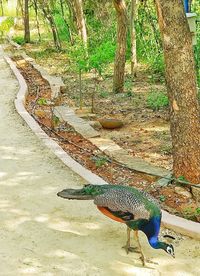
{"x": 157, "y": 100}
{"x": 6, "y": 25}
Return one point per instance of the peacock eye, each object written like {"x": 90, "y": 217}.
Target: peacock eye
{"x": 169, "y": 250}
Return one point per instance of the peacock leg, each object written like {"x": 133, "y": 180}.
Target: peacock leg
{"x": 128, "y": 246}
{"x": 140, "y": 248}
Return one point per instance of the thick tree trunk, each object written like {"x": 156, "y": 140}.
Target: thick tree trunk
{"x": 133, "y": 38}
{"x": 80, "y": 20}
{"x": 27, "y": 37}
{"x": 120, "y": 56}
{"x": 182, "y": 89}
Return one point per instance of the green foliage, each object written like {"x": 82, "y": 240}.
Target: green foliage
{"x": 42, "y": 101}
{"x": 56, "y": 120}
{"x": 149, "y": 46}
{"x": 100, "y": 160}
{"x": 183, "y": 179}
{"x": 78, "y": 56}
{"x": 104, "y": 94}
{"x": 6, "y": 25}
{"x": 197, "y": 211}
{"x": 19, "y": 40}
{"x": 162, "y": 198}
{"x": 62, "y": 28}
{"x": 101, "y": 56}
{"x": 191, "y": 213}
{"x": 157, "y": 100}
{"x": 129, "y": 94}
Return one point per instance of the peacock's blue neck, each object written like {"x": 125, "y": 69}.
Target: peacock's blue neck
{"x": 151, "y": 229}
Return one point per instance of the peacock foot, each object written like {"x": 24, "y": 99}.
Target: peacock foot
{"x": 150, "y": 262}
{"x": 147, "y": 261}
{"x": 143, "y": 260}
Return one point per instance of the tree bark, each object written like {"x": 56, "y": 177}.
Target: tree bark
{"x": 133, "y": 38}
{"x": 2, "y": 10}
{"x": 182, "y": 89}
{"x": 120, "y": 56}
{"x": 27, "y": 37}
{"x": 80, "y": 20}
{"x": 47, "y": 13}
{"x": 37, "y": 18}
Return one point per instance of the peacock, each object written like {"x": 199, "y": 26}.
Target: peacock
{"x": 137, "y": 209}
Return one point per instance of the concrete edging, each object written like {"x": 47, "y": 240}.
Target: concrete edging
{"x": 181, "y": 225}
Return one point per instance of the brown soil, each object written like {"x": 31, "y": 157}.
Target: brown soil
{"x": 145, "y": 134}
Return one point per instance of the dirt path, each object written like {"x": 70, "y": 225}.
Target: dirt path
{"x": 41, "y": 234}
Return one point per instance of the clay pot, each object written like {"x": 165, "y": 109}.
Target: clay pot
{"x": 110, "y": 123}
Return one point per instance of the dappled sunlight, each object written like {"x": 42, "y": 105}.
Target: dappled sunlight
{"x": 157, "y": 128}
{"x": 25, "y": 173}
{"x": 12, "y": 224}
{"x": 17, "y": 151}
{"x": 4, "y": 204}
{"x": 49, "y": 190}
{"x": 17, "y": 179}
{"x": 42, "y": 218}
{"x": 64, "y": 226}
{"x": 135, "y": 268}
{"x": 62, "y": 254}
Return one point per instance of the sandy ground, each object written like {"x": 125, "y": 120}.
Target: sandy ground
{"x": 41, "y": 234}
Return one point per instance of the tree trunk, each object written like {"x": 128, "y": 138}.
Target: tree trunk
{"x": 65, "y": 20}
{"x": 120, "y": 56}
{"x": 133, "y": 38}
{"x": 47, "y": 13}
{"x": 27, "y": 37}
{"x": 37, "y": 18}
{"x": 20, "y": 4}
{"x": 182, "y": 89}
{"x": 2, "y": 10}
{"x": 80, "y": 20}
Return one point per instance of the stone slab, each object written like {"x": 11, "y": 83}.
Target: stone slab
{"x": 105, "y": 145}
{"x": 138, "y": 164}
{"x": 66, "y": 114}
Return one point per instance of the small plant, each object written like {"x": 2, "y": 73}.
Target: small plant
{"x": 56, "y": 120}
{"x": 129, "y": 94}
{"x": 100, "y": 160}
{"x": 182, "y": 179}
{"x": 79, "y": 57}
{"x": 197, "y": 211}
{"x": 162, "y": 198}
{"x": 157, "y": 100}
{"x": 42, "y": 101}
{"x": 128, "y": 85}
{"x": 104, "y": 94}
{"x": 19, "y": 40}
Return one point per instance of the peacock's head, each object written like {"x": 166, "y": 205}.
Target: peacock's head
{"x": 169, "y": 249}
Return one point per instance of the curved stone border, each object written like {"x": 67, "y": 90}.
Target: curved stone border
{"x": 50, "y": 143}
{"x": 181, "y": 225}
